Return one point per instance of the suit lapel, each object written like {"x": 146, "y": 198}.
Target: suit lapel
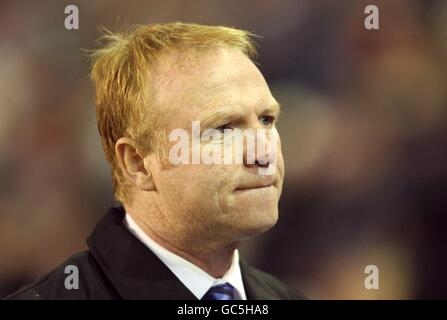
{"x": 132, "y": 269}
{"x": 255, "y": 286}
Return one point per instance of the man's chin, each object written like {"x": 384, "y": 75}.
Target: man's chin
{"x": 257, "y": 225}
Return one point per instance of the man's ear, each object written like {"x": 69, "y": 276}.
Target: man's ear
{"x": 133, "y": 165}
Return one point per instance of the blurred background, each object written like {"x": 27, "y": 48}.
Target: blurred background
{"x": 363, "y": 127}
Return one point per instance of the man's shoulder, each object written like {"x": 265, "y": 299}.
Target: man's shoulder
{"x": 76, "y": 278}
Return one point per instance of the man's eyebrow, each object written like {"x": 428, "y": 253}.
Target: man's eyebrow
{"x": 274, "y": 107}
{"x": 222, "y": 117}
{"x": 219, "y": 118}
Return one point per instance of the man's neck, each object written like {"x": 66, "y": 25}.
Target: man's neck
{"x": 214, "y": 261}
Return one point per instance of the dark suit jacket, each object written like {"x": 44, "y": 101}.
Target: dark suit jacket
{"x": 119, "y": 266}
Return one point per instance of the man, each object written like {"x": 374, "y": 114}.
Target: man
{"x": 177, "y": 233}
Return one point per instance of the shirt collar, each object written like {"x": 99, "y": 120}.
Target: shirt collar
{"x": 194, "y": 278}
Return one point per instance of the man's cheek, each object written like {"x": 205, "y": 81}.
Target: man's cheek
{"x": 281, "y": 166}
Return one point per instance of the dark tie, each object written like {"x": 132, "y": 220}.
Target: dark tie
{"x": 221, "y": 292}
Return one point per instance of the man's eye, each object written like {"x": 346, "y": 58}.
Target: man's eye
{"x": 267, "y": 120}
{"x": 223, "y": 127}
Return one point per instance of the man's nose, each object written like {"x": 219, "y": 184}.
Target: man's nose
{"x": 257, "y": 153}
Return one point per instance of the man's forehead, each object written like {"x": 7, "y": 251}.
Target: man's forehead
{"x": 210, "y": 84}
{"x": 234, "y": 94}
{"x": 203, "y": 70}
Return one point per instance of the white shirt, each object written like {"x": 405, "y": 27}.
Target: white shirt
{"x": 194, "y": 278}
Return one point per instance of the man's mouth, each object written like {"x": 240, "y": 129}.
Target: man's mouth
{"x": 261, "y": 184}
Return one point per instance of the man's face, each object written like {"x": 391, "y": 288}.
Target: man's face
{"x": 228, "y": 202}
